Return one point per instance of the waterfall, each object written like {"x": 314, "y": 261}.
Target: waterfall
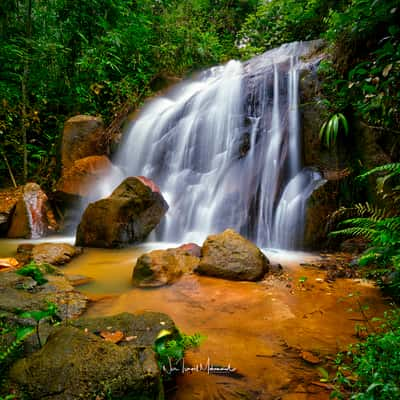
{"x": 225, "y": 150}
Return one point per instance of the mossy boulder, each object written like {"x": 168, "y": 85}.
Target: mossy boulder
{"x": 127, "y": 216}
{"x": 229, "y": 255}
{"x": 76, "y": 364}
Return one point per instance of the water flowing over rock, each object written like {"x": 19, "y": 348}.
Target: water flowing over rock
{"x": 229, "y": 255}
{"x": 132, "y": 211}
{"x": 226, "y": 150}
{"x": 32, "y": 217}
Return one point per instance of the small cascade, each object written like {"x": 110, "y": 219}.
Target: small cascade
{"x": 225, "y": 149}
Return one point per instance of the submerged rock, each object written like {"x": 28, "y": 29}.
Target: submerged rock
{"x": 229, "y": 255}
{"x": 75, "y": 364}
{"x": 127, "y": 216}
{"x": 162, "y": 267}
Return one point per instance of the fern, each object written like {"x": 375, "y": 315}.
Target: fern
{"x": 381, "y": 226}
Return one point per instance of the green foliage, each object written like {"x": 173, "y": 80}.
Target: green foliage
{"x": 330, "y": 129}
{"x": 34, "y": 271}
{"x": 93, "y": 57}
{"x": 381, "y": 226}
{"x": 50, "y": 312}
{"x": 281, "y": 21}
{"x": 365, "y": 73}
{"x": 371, "y": 370}
{"x": 171, "y": 348}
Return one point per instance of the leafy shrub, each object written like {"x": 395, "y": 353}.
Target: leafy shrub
{"x": 171, "y": 348}
{"x": 370, "y": 370}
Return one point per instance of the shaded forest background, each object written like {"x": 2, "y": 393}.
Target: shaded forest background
{"x": 60, "y": 58}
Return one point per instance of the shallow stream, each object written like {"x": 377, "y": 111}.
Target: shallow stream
{"x": 258, "y": 329}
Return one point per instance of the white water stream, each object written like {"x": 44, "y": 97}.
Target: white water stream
{"x": 227, "y": 156}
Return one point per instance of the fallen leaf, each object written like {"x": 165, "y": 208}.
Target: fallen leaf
{"x": 309, "y": 357}
{"x": 114, "y": 337}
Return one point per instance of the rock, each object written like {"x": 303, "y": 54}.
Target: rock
{"x": 229, "y": 255}
{"x": 8, "y": 201}
{"x": 163, "y": 267}
{"x": 192, "y": 249}
{"x": 143, "y": 327}
{"x": 75, "y": 364}
{"x": 320, "y": 205}
{"x": 50, "y": 253}
{"x": 32, "y": 217}
{"x": 19, "y": 292}
{"x": 80, "y": 177}
{"x": 127, "y": 216}
{"x": 83, "y": 136}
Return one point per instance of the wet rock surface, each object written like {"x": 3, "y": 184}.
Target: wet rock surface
{"x": 26, "y": 213}
{"x": 22, "y": 293}
{"x": 162, "y": 267}
{"x": 77, "y": 364}
{"x": 79, "y": 178}
{"x": 229, "y": 255}
{"x": 50, "y": 253}
{"x": 127, "y": 216}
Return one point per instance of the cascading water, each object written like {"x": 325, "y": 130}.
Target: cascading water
{"x": 225, "y": 151}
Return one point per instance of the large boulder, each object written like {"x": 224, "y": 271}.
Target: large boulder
{"x": 162, "y": 267}
{"x": 75, "y": 364}
{"x": 82, "y": 137}
{"x": 79, "y": 178}
{"x": 32, "y": 217}
{"x": 127, "y": 216}
{"x": 229, "y": 255}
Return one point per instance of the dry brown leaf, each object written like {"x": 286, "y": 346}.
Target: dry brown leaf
{"x": 114, "y": 337}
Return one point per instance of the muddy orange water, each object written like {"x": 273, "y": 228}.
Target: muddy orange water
{"x": 258, "y": 329}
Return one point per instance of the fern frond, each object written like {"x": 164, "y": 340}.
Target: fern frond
{"x": 355, "y": 232}
{"x": 391, "y": 168}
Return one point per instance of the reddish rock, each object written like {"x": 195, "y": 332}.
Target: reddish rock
{"x": 82, "y": 175}
{"x": 127, "y": 216}
{"x": 191, "y": 248}
{"x": 148, "y": 182}
{"x": 8, "y": 200}
{"x": 83, "y": 136}
{"x": 32, "y": 217}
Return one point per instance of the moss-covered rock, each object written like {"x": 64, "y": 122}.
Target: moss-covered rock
{"x": 229, "y": 255}
{"x": 76, "y": 364}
